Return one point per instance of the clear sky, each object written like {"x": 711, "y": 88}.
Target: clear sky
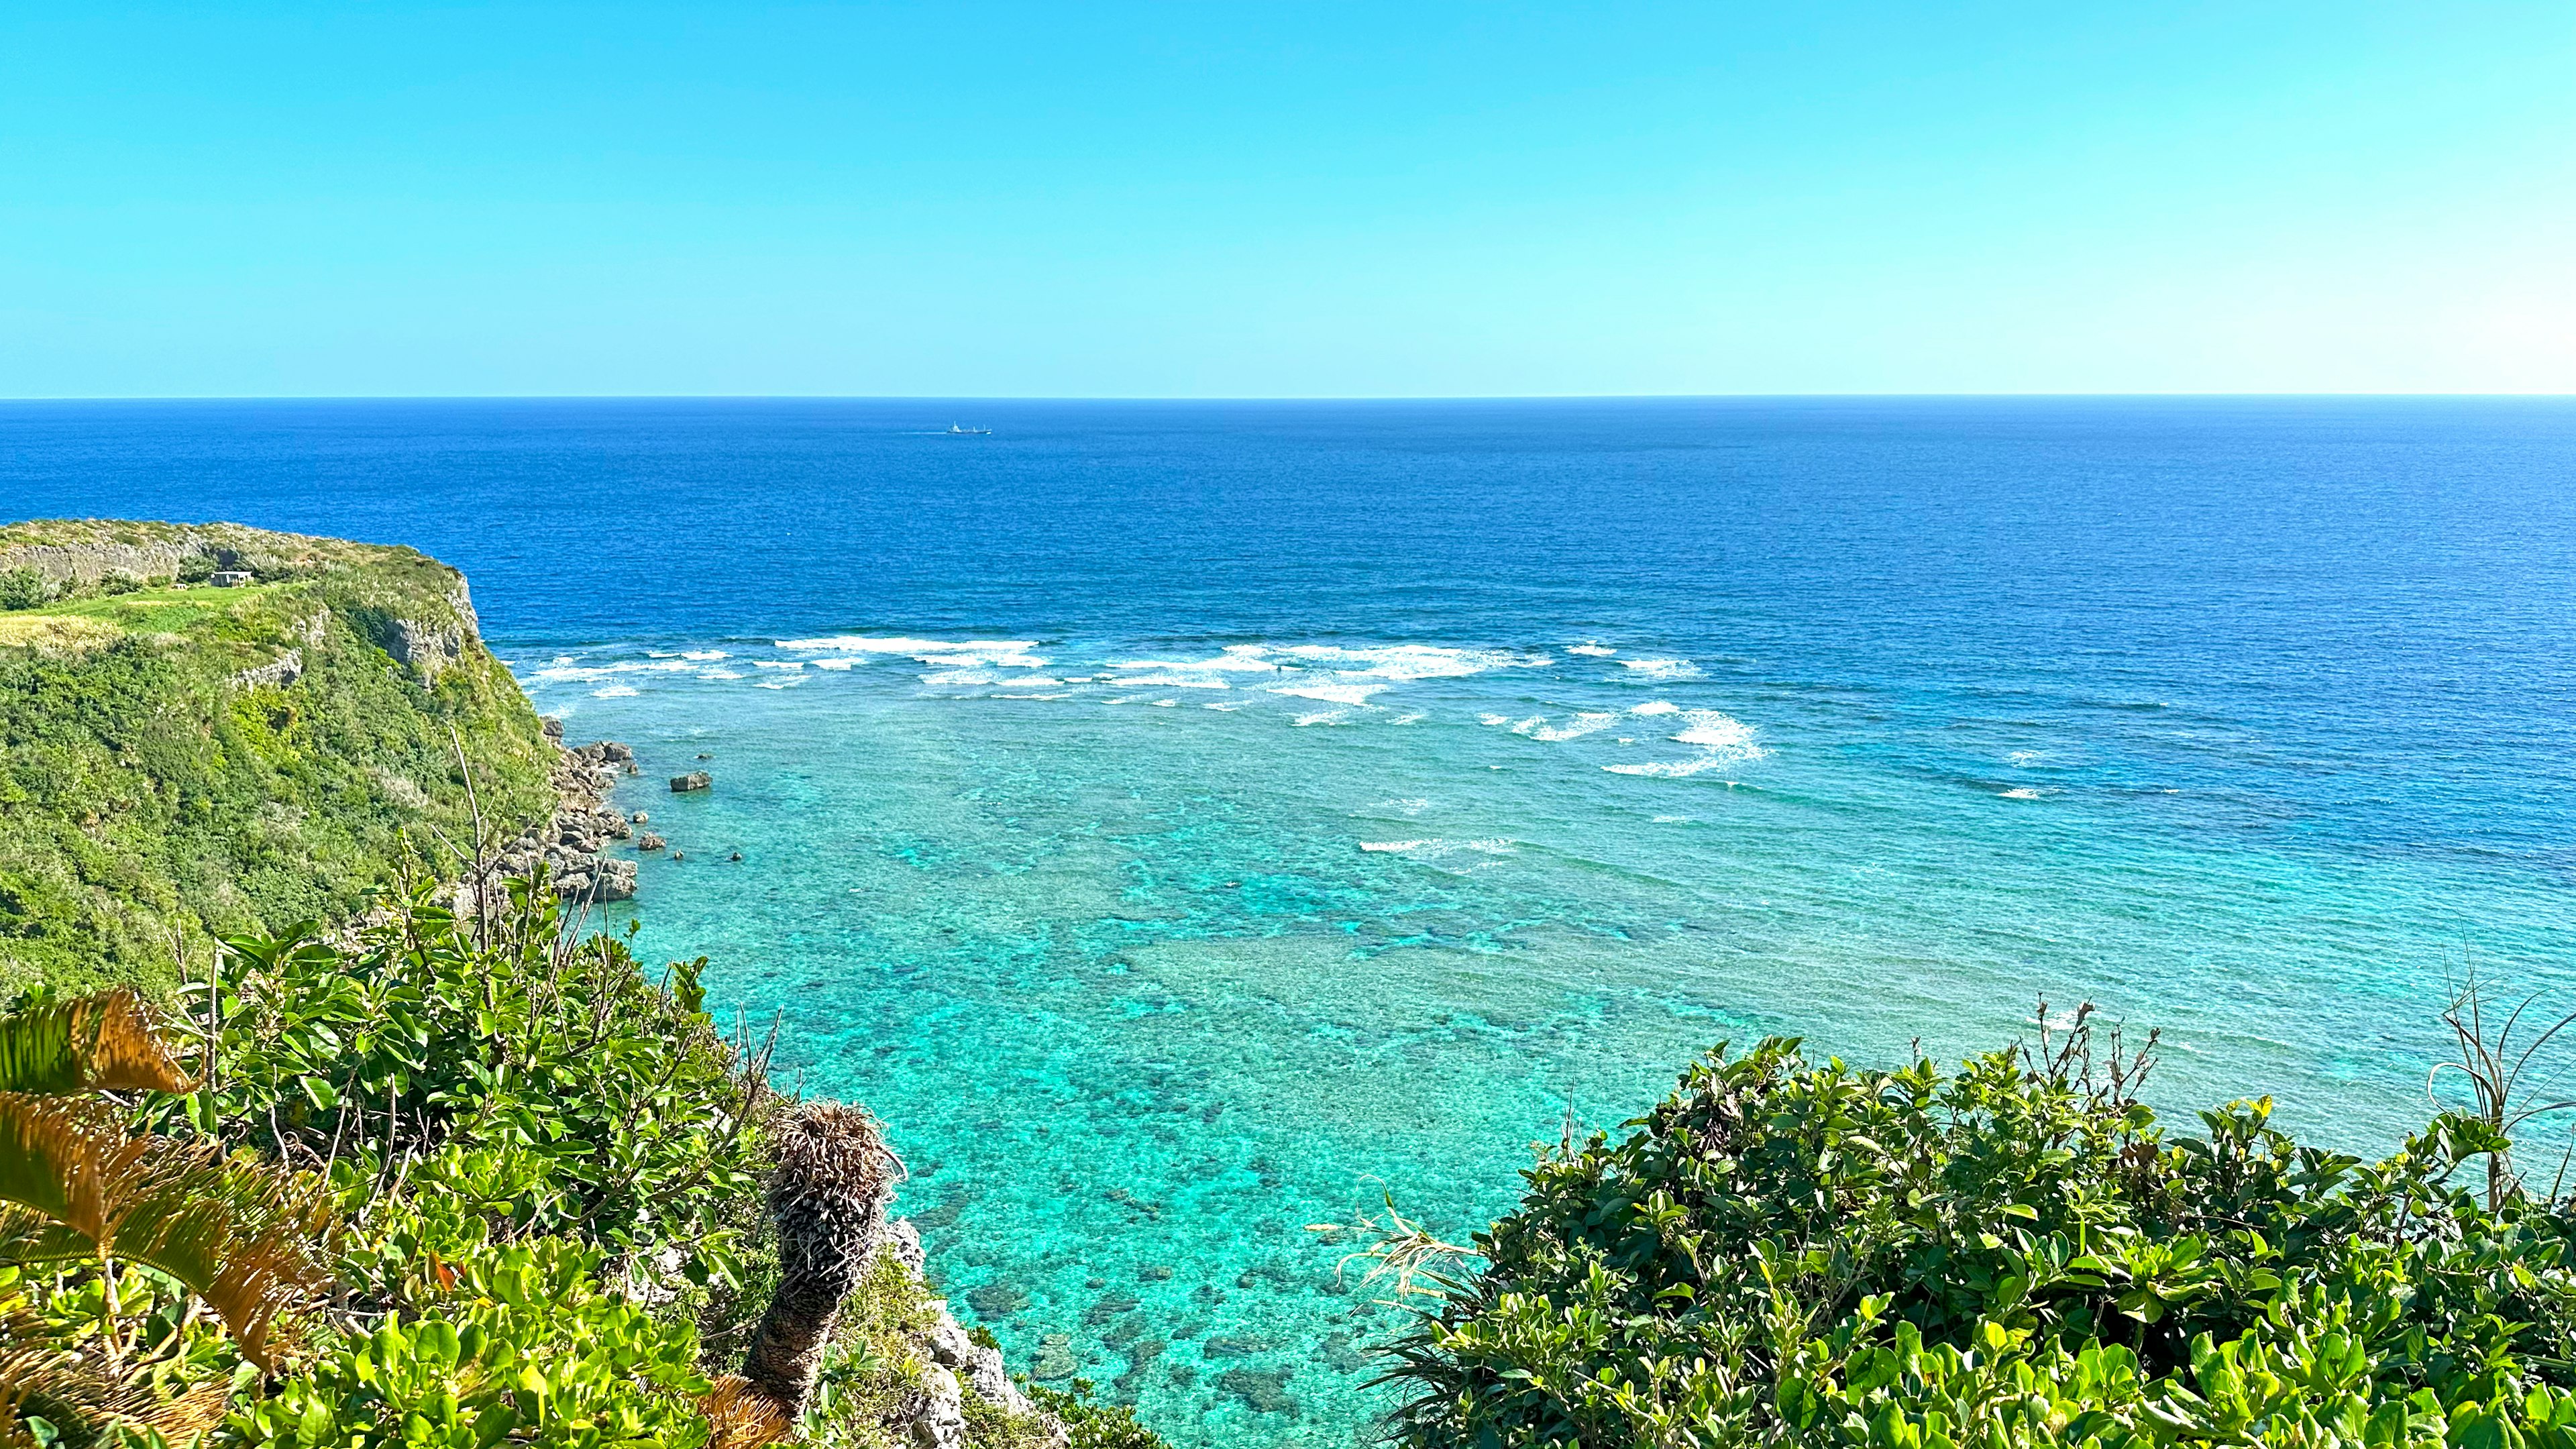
{"x": 1311, "y": 199}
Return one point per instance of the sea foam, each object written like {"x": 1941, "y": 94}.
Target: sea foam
{"x": 1722, "y": 740}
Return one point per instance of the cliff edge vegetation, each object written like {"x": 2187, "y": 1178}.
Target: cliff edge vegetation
{"x": 210, "y": 730}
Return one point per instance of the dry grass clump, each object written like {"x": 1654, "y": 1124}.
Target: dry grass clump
{"x": 57, "y": 636}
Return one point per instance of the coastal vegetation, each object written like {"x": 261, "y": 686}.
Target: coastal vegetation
{"x": 181, "y": 762}
{"x": 466, "y": 1183}
{"x": 297, "y": 1154}
{"x": 2017, "y": 1252}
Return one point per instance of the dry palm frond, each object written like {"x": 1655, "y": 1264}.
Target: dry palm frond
{"x": 740, "y": 1416}
{"x": 828, "y": 1197}
{"x": 1398, "y": 1248}
{"x": 37, "y": 1373}
{"x": 95, "y": 1043}
{"x": 244, "y": 1237}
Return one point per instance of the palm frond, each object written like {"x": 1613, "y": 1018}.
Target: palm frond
{"x": 740, "y": 1416}
{"x": 39, "y": 1374}
{"x": 245, "y": 1237}
{"x": 89, "y": 1044}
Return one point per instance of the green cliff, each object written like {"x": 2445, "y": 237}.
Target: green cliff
{"x": 211, "y": 729}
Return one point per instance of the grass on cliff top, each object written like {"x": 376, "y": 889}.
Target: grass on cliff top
{"x": 173, "y": 610}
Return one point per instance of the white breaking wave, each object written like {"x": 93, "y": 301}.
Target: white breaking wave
{"x": 1712, "y": 730}
{"x": 961, "y": 676}
{"x": 1722, "y": 740}
{"x": 1662, "y": 668}
{"x": 953, "y": 654}
{"x": 1167, "y": 680}
{"x": 1321, "y": 717}
{"x": 1238, "y": 658}
{"x": 2024, "y": 794}
{"x": 704, "y": 656}
{"x": 1588, "y": 647}
{"x": 614, "y": 691}
{"x": 565, "y": 672}
{"x": 1410, "y": 661}
{"x": 1657, "y": 706}
{"x": 788, "y": 683}
{"x": 777, "y": 664}
{"x": 1435, "y": 849}
{"x": 719, "y": 674}
{"x": 1573, "y": 729}
{"x": 2024, "y": 757}
{"x": 1349, "y": 694}
{"x": 842, "y": 663}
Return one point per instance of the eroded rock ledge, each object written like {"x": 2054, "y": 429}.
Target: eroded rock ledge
{"x": 572, "y": 843}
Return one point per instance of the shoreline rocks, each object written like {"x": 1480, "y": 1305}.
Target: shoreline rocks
{"x": 572, "y": 843}
{"x": 957, "y": 1363}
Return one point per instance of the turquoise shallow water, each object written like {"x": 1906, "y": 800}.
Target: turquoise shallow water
{"x": 1185, "y": 824}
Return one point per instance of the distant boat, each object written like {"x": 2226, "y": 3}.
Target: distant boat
{"x": 955, "y": 431}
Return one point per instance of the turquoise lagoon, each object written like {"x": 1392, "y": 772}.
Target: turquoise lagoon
{"x": 1186, "y": 824}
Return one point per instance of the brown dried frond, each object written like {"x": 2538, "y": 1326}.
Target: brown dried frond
{"x": 92, "y": 1044}
{"x": 247, "y": 1238}
{"x": 32, "y": 1366}
{"x": 1398, "y": 1248}
{"x": 740, "y": 1416}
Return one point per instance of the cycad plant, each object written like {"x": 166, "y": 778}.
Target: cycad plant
{"x": 83, "y": 1189}
{"x": 827, "y": 1196}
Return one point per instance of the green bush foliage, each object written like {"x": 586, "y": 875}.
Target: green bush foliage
{"x": 547, "y": 1169}
{"x": 2015, "y": 1253}
{"x": 23, "y": 588}
{"x": 149, "y": 795}
{"x": 1090, "y": 1423}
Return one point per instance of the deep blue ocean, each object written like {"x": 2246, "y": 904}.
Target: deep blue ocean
{"x": 1184, "y": 823}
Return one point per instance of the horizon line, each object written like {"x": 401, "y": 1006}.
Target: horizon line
{"x": 2174, "y": 395}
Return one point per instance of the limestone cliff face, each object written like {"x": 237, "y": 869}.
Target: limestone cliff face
{"x": 83, "y": 564}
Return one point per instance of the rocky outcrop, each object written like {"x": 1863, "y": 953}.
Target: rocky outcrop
{"x": 87, "y": 563}
{"x": 571, "y": 844}
{"x": 425, "y": 648}
{"x": 285, "y": 669}
{"x": 937, "y": 1420}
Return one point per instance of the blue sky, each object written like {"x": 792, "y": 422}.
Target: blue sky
{"x": 1296, "y": 200}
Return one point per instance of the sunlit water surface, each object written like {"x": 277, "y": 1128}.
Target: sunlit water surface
{"x": 1185, "y": 824}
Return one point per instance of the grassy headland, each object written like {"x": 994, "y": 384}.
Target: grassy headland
{"x": 180, "y": 761}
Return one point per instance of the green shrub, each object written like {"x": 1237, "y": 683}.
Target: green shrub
{"x": 2015, "y": 1253}
{"x": 524, "y": 1348}
{"x": 536, "y": 1086}
{"x": 23, "y": 588}
{"x": 1091, "y": 1423}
